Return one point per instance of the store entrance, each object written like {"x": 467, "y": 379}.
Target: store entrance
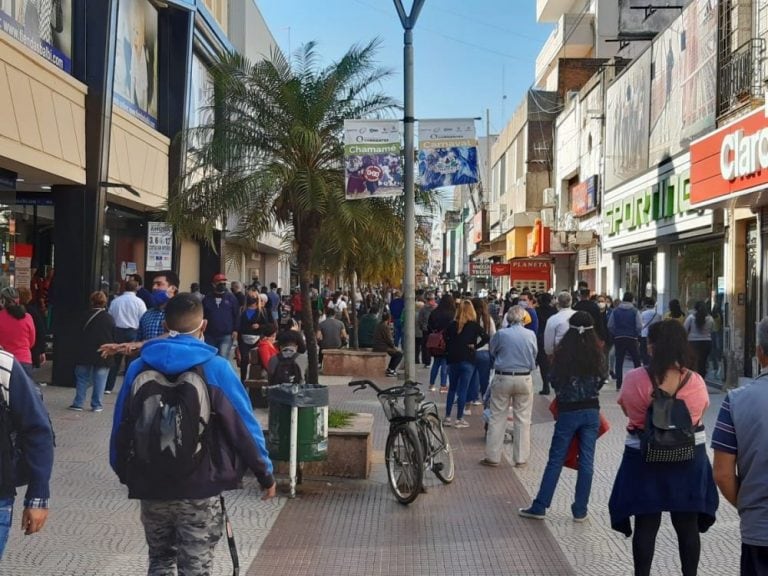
{"x": 752, "y": 279}
{"x": 638, "y": 272}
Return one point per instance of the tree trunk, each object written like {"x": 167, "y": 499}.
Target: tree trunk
{"x": 307, "y": 321}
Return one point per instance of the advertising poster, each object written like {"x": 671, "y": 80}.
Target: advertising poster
{"x": 683, "y": 86}
{"x": 200, "y": 100}
{"x": 627, "y": 123}
{"x": 373, "y": 164}
{"x": 136, "y": 60}
{"x": 583, "y": 196}
{"x": 44, "y": 26}
{"x": 159, "y": 246}
{"x": 447, "y": 153}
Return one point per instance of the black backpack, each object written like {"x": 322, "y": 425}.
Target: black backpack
{"x": 164, "y": 430}
{"x": 287, "y": 371}
{"x": 669, "y": 434}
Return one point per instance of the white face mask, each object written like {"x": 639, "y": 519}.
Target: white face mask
{"x": 601, "y": 305}
{"x": 200, "y": 336}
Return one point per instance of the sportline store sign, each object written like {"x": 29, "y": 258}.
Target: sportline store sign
{"x": 731, "y": 161}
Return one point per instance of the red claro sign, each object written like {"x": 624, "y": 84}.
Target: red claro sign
{"x": 730, "y": 161}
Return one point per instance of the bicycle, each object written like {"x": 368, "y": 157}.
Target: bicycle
{"x": 416, "y": 441}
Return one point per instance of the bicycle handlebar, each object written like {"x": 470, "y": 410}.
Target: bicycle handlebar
{"x": 363, "y": 384}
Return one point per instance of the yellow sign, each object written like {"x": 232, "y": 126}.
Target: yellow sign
{"x": 517, "y": 242}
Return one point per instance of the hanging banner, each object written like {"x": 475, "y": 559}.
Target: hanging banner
{"x": 43, "y": 26}
{"x": 373, "y": 164}
{"x": 159, "y": 246}
{"x": 447, "y": 153}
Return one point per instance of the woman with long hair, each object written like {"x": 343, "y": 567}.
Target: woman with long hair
{"x": 699, "y": 326}
{"x": 38, "y": 350}
{"x": 253, "y": 321}
{"x": 578, "y": 374}
{"x": 462, "y": 338}
{"x": 17, "y": 329}
{"x": 481, "y": 376}
{"x": 439, "y": 320}
{"x": 646, "y": 489}
{"x": 675, "y": 311}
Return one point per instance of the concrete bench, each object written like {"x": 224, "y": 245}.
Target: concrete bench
{"x": 347, "y": 362}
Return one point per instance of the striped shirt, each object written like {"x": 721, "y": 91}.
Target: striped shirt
{"x": 724, "y": 435}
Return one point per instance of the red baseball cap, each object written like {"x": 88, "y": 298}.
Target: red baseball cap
{"x": 219, "y": 278}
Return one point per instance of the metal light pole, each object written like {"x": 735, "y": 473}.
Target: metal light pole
{"x": 409, "y": 282}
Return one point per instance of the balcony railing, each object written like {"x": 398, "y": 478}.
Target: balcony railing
{"x": 741, "y": 76}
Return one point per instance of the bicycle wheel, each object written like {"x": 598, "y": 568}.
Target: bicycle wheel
{"x": 440, "y": 448}
{"x": 405, "y": 469}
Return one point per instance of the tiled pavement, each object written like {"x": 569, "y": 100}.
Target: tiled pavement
{"x": 356, "y": 527}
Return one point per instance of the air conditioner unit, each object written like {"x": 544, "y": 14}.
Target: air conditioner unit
{"x": 567, "y": 222}
{"x": 548, "y": 197}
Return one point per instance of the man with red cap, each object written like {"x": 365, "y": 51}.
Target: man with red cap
{"x": 222, "y": 311}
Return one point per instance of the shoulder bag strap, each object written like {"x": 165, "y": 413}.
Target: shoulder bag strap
{"x": 99, "y": 311}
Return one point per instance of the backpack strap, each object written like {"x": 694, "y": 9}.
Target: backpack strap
{"x": 683, "y": 382}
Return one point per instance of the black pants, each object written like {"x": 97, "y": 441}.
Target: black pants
{"x": 426, "y": 357}
{"x": 686, "y": 525}
{"x": 644, "y": 357}
{"x": 394, "y": 359}
{"x": 543, "y": 361}
{"x": 624, "y": 346}
{"x": 418, "y": 349}
{"x": 122, "y": 336}
{"x": 702, "y": 348}
{"x": 754, "y": 560}
{"x": 245, "y": 353}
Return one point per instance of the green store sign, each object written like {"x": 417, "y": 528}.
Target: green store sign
{"x": 667, "y": 198}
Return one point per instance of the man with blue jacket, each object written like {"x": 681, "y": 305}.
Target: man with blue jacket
{"x": 625, "y": 326}
{"x": 183, "y": 518}
{"x": 222, "y": 313}
{"x": 31, "y": 425}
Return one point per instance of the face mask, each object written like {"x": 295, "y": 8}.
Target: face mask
{"x": 250, "y": 300}
{"x": 173, "y": 333}
{"x": 159, "y": 297}
{"x": 523, "y": 303}
{"x": 221, "y": 288}
{"x": 601, "y": 305}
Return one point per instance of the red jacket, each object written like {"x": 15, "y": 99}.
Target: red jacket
{"x": 267, "y": 350}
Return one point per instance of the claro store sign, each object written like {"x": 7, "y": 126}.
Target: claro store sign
{"x": 731, "y": 161}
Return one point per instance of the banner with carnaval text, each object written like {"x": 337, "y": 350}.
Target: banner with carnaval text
{"x": 447, "y": 153}
{"x": 373, "y": 162}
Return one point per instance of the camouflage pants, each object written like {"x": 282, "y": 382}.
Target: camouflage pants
{"x": 181, "y": 534}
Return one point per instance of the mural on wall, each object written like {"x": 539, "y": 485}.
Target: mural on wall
{"x": 683, "y": 83}
{"x": 627, "y": 123}
{"x": 136, "y": 60}
{"x": 635, "y": 21}
{"x": 44, "y": 26}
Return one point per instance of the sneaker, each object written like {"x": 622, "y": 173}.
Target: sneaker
{"x": 391, "y": 374}
{"x": 521, "y": 464}
{"x": 461, "y": 424}
{"x": 531, "y": 513}
{"x": 477, "y": 403}
{"x": 426, "y": 365}
{"x": 432, "y": 388}
{"x": 443, "y": 389}
{"x": 75, "y": 408}
{"x": 491, "y": 463}
{"x": 97, "y": 409}
{"x": 107, "y": 391}
{"x": 581, "y": 519}
{"x": 467, "y": 412}
{"x": 447, "y": 422}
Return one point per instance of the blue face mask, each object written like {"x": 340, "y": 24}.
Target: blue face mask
{"x": 159, "y": 297}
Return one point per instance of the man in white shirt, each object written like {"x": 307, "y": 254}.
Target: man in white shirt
{"x": 127, "y": 310}
{"x": 557, "y": 325}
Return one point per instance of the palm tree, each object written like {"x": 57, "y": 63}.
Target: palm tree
{"x": 273, "y": 156}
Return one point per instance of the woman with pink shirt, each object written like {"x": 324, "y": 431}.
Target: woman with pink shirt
{"x": 684, "y": 489}
{"x": 17, "y": 329}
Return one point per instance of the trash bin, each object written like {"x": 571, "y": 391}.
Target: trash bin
{"x": 312, "y": 403}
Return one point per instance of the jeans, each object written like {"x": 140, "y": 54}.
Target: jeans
{"x": 481, "y": 376}
{"x": 578, "y": 423}
{"x": 440, "y": 363}
{"x": 85, "y": 376}
{"x": 398, "y": 332}
{"x": 394, "y": 360}
{"x": 6, "y": 520}
{"x": 625, "y": 346}
{"x": 222, "y": 343}
{"x": 122, "y": 335}
{"x": 686, "y": 525}
{"x": 519, "y": 391}
{"x": 460, "y": 375}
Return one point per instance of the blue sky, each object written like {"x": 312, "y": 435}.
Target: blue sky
{"x": 468, "y": 54}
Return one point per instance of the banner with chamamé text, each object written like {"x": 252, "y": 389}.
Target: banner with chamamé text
{"x": 373, "y": 163}
{"x": 447, "y": 153}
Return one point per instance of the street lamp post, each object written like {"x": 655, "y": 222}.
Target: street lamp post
{"x": 409, "y": 281}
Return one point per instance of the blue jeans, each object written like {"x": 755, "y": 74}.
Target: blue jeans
{"x": 459, "y": 374}
{"x": 122, "y": 335}
{"x": 222, "y": 343}
{"x": 6, "y": 519}
{"x": 84, "y": 376}
{"x": 398, "y": 332}
{"x": 481, "y": 376}
{"x": 439, "y": 363}
{"x": 581, "y": 423}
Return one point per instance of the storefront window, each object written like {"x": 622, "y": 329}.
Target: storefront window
{"x": 638, "y": 272}
{"x": 124, "y": 245}
{"x": 697, "y": 276}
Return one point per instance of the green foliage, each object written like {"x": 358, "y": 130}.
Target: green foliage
{"x": 339, "y": 418}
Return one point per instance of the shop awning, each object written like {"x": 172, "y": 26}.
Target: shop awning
{"x": 491, "y": 249}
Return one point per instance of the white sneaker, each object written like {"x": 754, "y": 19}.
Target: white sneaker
{"x": 461, "y": 424}
{"x": 467, "y": 412}
{"x": 447, "y": 422}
